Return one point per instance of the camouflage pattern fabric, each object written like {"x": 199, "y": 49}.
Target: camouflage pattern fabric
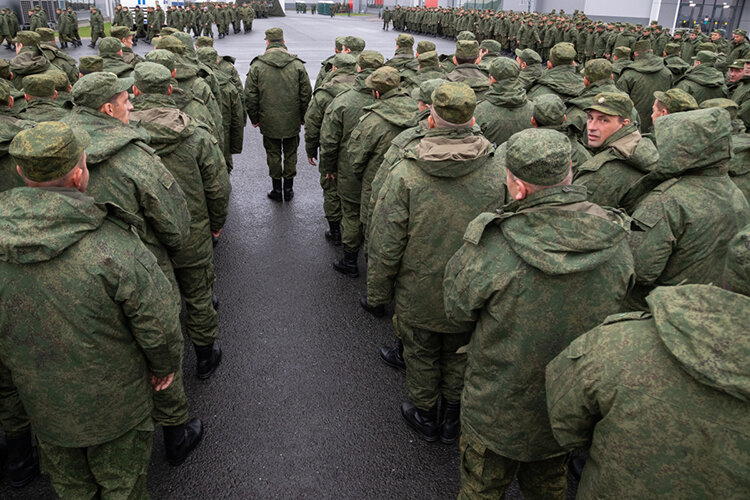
{"x": 504, "y": 111}
{"x": 278, "y": 149}
{"x": 646, "y": 75}
{"x": 562, "y": 81}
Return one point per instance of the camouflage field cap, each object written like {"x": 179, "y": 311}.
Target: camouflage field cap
{"x": 207, "y": 55}
{"x": 151, "y": 78}
{"x": 204, "y": 41}
{"x": 28, "y": 38}
{"x": 339, "y": 42}
{"x": 354, "y": 43}
{"x": 705, "y": 57}
{"x": 719, "y": 102}
{"x": 612, "y": 103}
{"x": 562, "y": 53}
{"x": 428, "y": 59}
{"x": 676, "y": 100}
{"x": 738, "y": 64}
{"x": 274, "y": 34}
{"x": 163, "y": 57}
{"x": 466, "y": 35}
{"x": 95, "y": 89}
{"x": 622, "y": 52}
{"x": 48, "y": 151}
{"x": 709, "y": 46}
{"x": 739, "y": 32}
{"x": 404, "y": 40}
{"x": 503, "y": 68}
{"x": 597, "y": 69}
{"x": 171, "y": 43}
{"x": 109, "y": 46}
{"x": 549, "y": 110}
{"x": 384, "y": 79}
{"x": 167, "y": 30}
{"x": 62, "y": 84}
{"x": 720, "y": 31}
{"x": 454, "y": 102}
{"x": 90, "y": 64}
{"x": 4, "y": 69}
{"x": 737, "y": 264}
{"x": 344, "y": 61}
{"x": 539, "y": 156}
{"x": 492, "y": 47}
{"x": 424, "y": 91}
{"x": 186, "y": 39}
{"x": 121, "y": 32}
{"x": 46, "y": 34}
{"x": 370, "y": 59}
{"x": 467, "y": 49}
{"x": 39, "y": 85}
{"x": 528, "y": 56}
{"x": 672, "y": 48}
{"x": 425, "y": 46}
{"x": 641, "y": 46}
{"x": 4, "y": 92}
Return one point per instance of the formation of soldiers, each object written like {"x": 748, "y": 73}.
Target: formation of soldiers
{"x": 566, "y": 249}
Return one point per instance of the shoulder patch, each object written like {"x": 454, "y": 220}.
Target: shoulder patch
{"x": 476, "y": 228}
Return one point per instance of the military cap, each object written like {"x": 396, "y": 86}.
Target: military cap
{"x": 167, "y": 30}
{"x": 425, "y": 46}
{"x": 562, "y": 53}
{"x": 735, "y": 32}
{"x": 738, "y": 64}
{"x": 621, "y": 52}
{"x": 204, "y": 41}
{"x": 404, "y": 40}
{"x": 46, "y": 34}
{"x": 62, "y": 84}
{"x": 424, "y": 91}
{"x": 709, "y": 46}
{"x": 48, "y": 151}
{"x": 344, "y": 61}
{"x": 109, "y": 45}
{"x": 121, "y": 32}
{"x": 538, "y": 156}
{"x": 171, "y": 43}
{"x": 39, "y": 85}
{"x": 642, "y": 46}
{"x": 4, "y": 92}
{"x": 719, "y": 102}
{"x": 676, "y": 100}
{"x": 528, "y": 56}
{"x": 492, "y": 47}
{"x": 503, "y": 68}
{"x": 340, "y": 42}
{"x": 597, "y": 69}
{"x": 612, "y": 103}
{"x": 384, "y": 79}
{"x": 705, "y": 57}
{"x": 207, "y": 55}
{"x": 4, "y": 69}
{"x": 274, "y": 34}
{"x": 549, "y": 110}
{"x": 428, "y": 59}
{"x": 28, "y": 38}
{"x": 672, "y": 49}
{"x": 370, "y": 59}
{"x": 467, "y": 49}
{"x": 454, "y": 102}
{"x": 354, "y": 43}
{"x": 163, "y": 57}
{"x": 152, "y": 78}
{"x": 95, "y": 89}
{"x": 737, "y": 264}
{"x": 696, "y": 30}
{"x": 720, "y": 31}
{"x": 466, "y": 35}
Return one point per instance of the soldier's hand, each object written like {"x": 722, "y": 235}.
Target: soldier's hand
{"x": 331, "y": 177}
{"x": 159, "y": 384}
{"x": 216, "y": 234}
{"x": 311, "y": 161}
{"x": 256, "y": 125}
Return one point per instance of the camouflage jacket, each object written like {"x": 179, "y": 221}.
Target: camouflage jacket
{"x": 61, "y": 61}
{"x": 9, "y": 127}
{"x": 194, "y": 107}
{"x": 562, "y": 81}
{"x": 504, "y": 111}
{"x": 646, "y": 75}
{"x": 114, "y": 63}
{"x": 90, "y": 316}
{"x": 233, "y": 115}
{"x": 471, "y": 75}
{"x": 29, "y": 61}
{"x": 43, "y": 109}
{"x": 529, "y": 76}
{"x": 321, "y": 99}
{"x": 515, "y": 278}
{"x": 703, "y": 82}
{"x": 576, "y": 116}
{"x": 427, "y": 199}
{"x": 403, "y": 60}
{"x": 632, "y": 389}
{"x": 188, "y": 79}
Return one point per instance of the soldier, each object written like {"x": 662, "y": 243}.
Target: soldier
{"x": 10, "y": 125}
{"x": 140, "y": 24}
{"x": 386, "y": 19}
{"x": 125, "y": 36}
{"x": 278, "y": 78}
{"x": 404, "y": 57}
{"x": 29, "y": 59}
{"x": 207, "y": 21}
{"x": 505, "y": 110}
{"x": 561, "y": 77}
{"x": 615, "y": 390}
{"x": 467, "y": 59}
{"x": 57, "y": 58}
{"x": 740, "y": 47}
{"x": 63, "y": 27}
{"x": 41, "y": 99}
{"x": 428, "y": 69}
{"x": 112, "y": 348}
{"x": 674, "y": 62}
{"x": 510, "y": 280}
{"x": 110, "y": 50}
{"x": 549, "y": 113}
{"x": 703, "y": 81}
{"x": 531, "y": 67}
{"x": 96, "y": 22}
{"x": 89, "y": 64}
{"x": 490, "y": 50}
{"x": 412, "y": 219}
{"x": 672, "y": 101}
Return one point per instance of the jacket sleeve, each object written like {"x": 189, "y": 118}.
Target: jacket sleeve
{"x": 313, "y": 120}
{"x": 252, "y": 96}
{"x": 305, "y": 91}
{"x": 237, "y": 124}
{"x": 216, "y": 184}
{"x": 362, "y": 144}
{"x": 655, "y": 238}
{"x": 467, "y": 286}
{"x": 331, "y": 132}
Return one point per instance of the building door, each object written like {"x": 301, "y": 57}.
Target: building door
{"x": 709, "y": 15}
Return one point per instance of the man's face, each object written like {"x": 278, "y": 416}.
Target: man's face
{"x": 747, "y": 69}
{"x": 601, "y": 126}
{"x": 736, "y": 74}
{"x": 737, "y": 38}
{"x": 121, "y": 108}
{"x": 715, "y": 36}
{"x": 693, "y": 36}
{"x": 128, "y": 41}
{"x": 657, "y": 111}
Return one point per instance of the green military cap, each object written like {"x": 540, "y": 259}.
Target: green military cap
{"x": 528, "y": 56}
{"x": 641, "y": 46}
{"x": 344, "y": 61}
{"x": 207, "y": 55}
{"x": 719, "y": 102}
{"x": 62, "y": 84}
{"x": 503, "y": 68}
{"x": 28, "y": 38}
{"x": 538, "y": 156}
{"x": 705, "y": 57}
{"x": 152, "y": 78}
{"x": 738, "y": 64}
{"x": 737, "y": 264}
{"x": 425, "y": 46}
{"x": 384, "y": 79}
{"x": 404, "y": 40}
{"x": 612, "y": 103}
{"x": 5, "y": 92}
{"x": 46, "y": 34}
{"x": 492, "y": 47}
{"x": 454, "y": 102}
{"x": 597, "y": 69}
{"x": 274, "y": 34}
{"x": 171, "y": 43}
{"x": 95, "y": 89}
{"x": 204, "y": 41}
{"x": 739, "y": 32}
{"x": 562, "y": 53}
{"x": 90, "y": 64}
{"x": 709, "y": 46}
{"x": 167, "y": 30}
{"x": 121, "y": 32}
{"x": 424, "y": 91}
{"x": 672, "y": 49}
{"x": 339, "y": 43}
{"x": 466, "y": 35}
{"x": 467, "y": 49}
{"x": 163, "y": 57}
{"x": 720, "y": 31}
{"x": 621, "y": 52}
{"x": 428, "y": 59}
{"x": 4, "y": 69}
{"x": 48, "y": 151}
{"x": 109, "y": 45}
{"x": 370, "y": 59}
{"x": 549, "y": 110}
{"x": 676, "y": 100}
{"x": 354, "y": 43}
{"x": 39, "y": 85}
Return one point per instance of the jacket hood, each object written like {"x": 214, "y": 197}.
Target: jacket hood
{"x": 109, "y": 134}
{"x": 453, "y": 152}
{"x": 397, "y": 108}
{"x": 563, "y": 80}
{"x": 37, "y": 225}
{"x": 277, "y": 57}
{"x": 647, "y": 63}
{"x": 578, "y": 241}
{"x": 9, "y": 128}
{"x": 168, "y": 127}
{"x": 628, "y": 145}
{"x": 184, "y": 71}
{"x": 506, "y": 94}
{"x": 705, "y": 329}
{"x": 586, "y": 98}
{"x": 533, "y": 70}
{"x": 28, "y": 63}
{"x": 705, "y": 75}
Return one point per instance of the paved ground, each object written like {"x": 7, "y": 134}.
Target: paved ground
{"x": 302, "y": 406}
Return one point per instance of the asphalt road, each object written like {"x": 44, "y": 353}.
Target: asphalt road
{"x": 302, "y": 406}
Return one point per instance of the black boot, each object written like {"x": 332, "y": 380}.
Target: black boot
{"x": 348, "y": 265}
{"x": 334, "y": 232}
{"x": 92, "y": 45}
{"x": 23, "y": 460}
{"x": 215, "y": 301}
{"x": 288, "y": 189}
{"x": 377, "y": 311}
{"x": 394, "y": 356}
{"x": 180, "y": 440}
{"x": 275, "y": 193}
{"x": 209, "y": 357}
{"x": 451, "y": 422}
{"x": 424, "y": 422}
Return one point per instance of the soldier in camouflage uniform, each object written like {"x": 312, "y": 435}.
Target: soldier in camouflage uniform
{"x": 110, "y": 50}
{"x": 740, "y": 47}
{"x": 703, "y": 81}
{"x": 10, "y": 125}
{"x": 96, "y": 22}
{"x": 672, "y": 101}
{"x": 467, "y": 59}
{"x": 549, "y": 112}
{"x": 512, "y": 279}
{"x": 90, "y": 410}
{"x": 41, "y": 98}
{"x": 531, "y": 67}
{"x": 30, "y": 59}
{"x": 55, "y": 56}
{"x": 125, "y": 36}
{"x": 561, "y": 77}
{"x": 404, "y": 56}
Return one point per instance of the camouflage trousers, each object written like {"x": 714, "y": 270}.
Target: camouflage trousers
{"x": 96, "y": 35}
{"x": 275, "y": 148}
{"x": 196, "y": 288}
{"x": 352, "y": 235}
{"x": 208, "y": 31}
{"x": 433, "y": 368}
{"x": 487, "y": 475}
{"x": 113, "y": 470}
{"x": 331, "y": 200}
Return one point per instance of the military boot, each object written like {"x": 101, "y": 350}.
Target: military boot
{"x": 23, "y": 460}
{"x": 334, "y": 232}
{"x": 209, "y": 357}
{"x": 424, "y": 422}
{"x": 377, "y": 311}
{"x": 288, "y": 189}
{"x": 215, "y": 301}
{"x": 180, "y": 440}
{"x": 394, "y": 356}
{"x": 275, "y": 193}
{"x": 451, "y": 427}
{"x": 348, "y": 265}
